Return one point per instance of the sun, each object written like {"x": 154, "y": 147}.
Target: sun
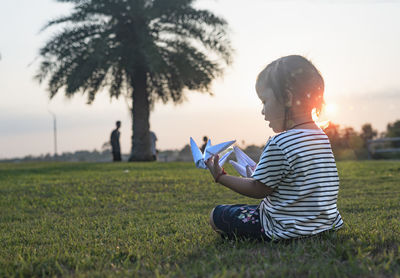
{"x": 331, "y": 109}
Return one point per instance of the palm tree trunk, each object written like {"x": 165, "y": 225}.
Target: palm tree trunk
{"x": 141, "y": 150}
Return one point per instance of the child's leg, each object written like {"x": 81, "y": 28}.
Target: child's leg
{"x": 236, "y": 221}
{"x": 212, "y": 224}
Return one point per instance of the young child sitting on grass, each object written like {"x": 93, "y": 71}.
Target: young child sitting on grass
{"x": 296, "y": 175}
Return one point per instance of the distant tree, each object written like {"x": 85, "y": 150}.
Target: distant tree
{"x": 332, "y": 131}
{"x": 154, "y": 49}
{"x": 185, "y": 151}
{"x": 254, "y": 152}
{"x": 106, "y": 146}
{"x": 367, "y": 133}
{"x": 348, "y": 134}
{"x": 346, "y": 142}
{"x": 393, "y": 130}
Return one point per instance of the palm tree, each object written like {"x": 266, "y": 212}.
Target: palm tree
{"x": 146, "y": 49}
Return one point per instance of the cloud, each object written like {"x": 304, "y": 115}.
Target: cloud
{"x": 379, "y": 95}
{"x": 15, "y": 123}
{"x": 393, "y": 94}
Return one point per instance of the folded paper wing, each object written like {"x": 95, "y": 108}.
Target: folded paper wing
{"x": 197, "y": 155}
{"x": 213, "y": 150}
{"x": 200, "y": 158}
{"x": 223, "y": 159}
{"x": 245, "y": 166}
{"x": 239, "y": 168}
{"x": 243, "y": 158}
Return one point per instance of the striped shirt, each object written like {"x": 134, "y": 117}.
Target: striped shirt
{"x": 299, "y": 165}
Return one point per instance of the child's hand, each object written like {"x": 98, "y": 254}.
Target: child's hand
{"x": 213, "y": 166}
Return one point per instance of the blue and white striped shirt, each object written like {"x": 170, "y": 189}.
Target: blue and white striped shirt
{"x": 299, "y": 165}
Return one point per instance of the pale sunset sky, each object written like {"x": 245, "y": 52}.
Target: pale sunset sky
{"x": 354, "y": 44}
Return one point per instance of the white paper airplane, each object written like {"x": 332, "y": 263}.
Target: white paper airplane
{"x": 245, "y": 166}
{"x": 200, "y": 158}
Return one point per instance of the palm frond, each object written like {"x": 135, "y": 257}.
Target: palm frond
{"x": 183, "y": 67}
{"x": 103, "y": 42}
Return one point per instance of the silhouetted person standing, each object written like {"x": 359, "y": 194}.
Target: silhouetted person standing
{"x": 116, "y": 150}
{"x": 205, "y": 140}
{"x": 153, "y": 139}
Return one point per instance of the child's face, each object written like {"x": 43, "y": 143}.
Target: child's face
{"x": 273, "y": 110}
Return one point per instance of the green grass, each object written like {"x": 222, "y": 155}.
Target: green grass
{"x": 86, "y": 219}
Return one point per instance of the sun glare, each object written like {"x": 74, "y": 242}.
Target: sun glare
{"x": 331, "y": 109}
{"x": 318, "y": 122}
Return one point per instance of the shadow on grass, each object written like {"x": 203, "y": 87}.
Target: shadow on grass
{"x": 239, "y": 256}
{"x": 44, "y": 168}
{"x": 55, "y": 168}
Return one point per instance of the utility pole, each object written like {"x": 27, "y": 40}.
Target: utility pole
{"x": 54, "y": 132}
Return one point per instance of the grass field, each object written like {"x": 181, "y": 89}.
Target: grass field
{"x": 151, "y": 219}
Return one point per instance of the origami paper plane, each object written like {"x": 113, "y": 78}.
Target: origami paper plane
{"x": 200, "y": 158}
{"x": 245, "y": 166}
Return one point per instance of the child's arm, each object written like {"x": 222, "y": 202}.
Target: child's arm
{"x": 245, "y": 186}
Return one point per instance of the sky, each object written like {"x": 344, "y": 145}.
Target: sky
{"x": 354, "y": 44}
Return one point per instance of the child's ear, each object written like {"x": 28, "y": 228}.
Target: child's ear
{"x": 289, "y": 99}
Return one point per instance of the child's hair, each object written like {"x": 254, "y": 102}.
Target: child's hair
{"x": 293, "y": 76}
